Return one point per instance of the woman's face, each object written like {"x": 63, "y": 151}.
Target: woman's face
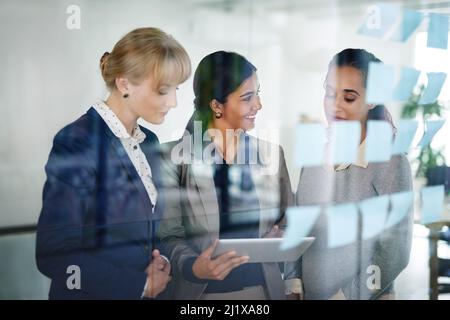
{"x": 345, "y": 95}
{"x": 150, "y": 103}
{"x": 242, "y": 105}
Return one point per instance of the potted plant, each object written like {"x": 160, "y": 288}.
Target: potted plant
{"x": 430, "y": 162}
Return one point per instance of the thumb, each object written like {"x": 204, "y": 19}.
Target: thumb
{"x": 208, "y": 252}
{"x": 155, "y": 253}
{"x": 272, "y": 232}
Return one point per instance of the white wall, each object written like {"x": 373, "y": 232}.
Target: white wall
{"x": 50, "y": 74}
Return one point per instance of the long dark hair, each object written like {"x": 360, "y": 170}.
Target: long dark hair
{"x": 217, "y": 75}
{"x": 360, "y": 59}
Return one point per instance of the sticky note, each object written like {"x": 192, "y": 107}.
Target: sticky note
{"x": 432, "y": 204}
{"x": 309, "y": 144}
{"x": 345, "y": 139}
{"x": 401, "y": 203}
{"x": 378, "y": 141}
{"x": 300, "y": 221}
{"x": 379, "y": 19}
{"x": 410, "y": 21}
{"x": 435, "y": 82}
{"x": 406, "y": 84}
{"x": 342, "y": 224}
{"x": 438, "y": 31}
{"x": 406, "y": 131}
{"x": 432, "y": 127}
{"x": 374, "y": 212}
{"x": 380, "y": 83}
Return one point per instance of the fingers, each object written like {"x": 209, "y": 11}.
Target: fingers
{"x": 231, "y": 264}
{"x": 275, "y": 232}
{"x": 160, "y": 262}
{"x": 155, "y": 253}
{"x": 223, "y": 258}
{"x": 158, "y": 283}
{"x": 166, "y": 268}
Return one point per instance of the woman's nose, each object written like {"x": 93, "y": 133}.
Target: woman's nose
{"x": 257, "y": 105}
{"x": 172, "y": 100}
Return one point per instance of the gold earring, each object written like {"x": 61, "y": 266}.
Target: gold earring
{"x": 218, "y": 115}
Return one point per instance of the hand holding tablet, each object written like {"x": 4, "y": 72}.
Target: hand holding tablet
{"x": 206, "y": 267}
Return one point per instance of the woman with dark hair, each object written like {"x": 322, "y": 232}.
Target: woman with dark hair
{"x": 343, "y": 272}
{"x": 238, "y": 189}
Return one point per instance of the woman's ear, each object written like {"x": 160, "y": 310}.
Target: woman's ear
{"x": 216, "y": 106}
{"x": 122, "y": 85}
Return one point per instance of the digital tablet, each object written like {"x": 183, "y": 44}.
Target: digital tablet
{"x": 263, "y": 249}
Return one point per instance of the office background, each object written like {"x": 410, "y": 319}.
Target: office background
{"x": 50, "y": 76}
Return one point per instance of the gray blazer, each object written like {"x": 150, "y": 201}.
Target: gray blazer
{"x": 326, "y": 270}
{"x": 191, "y": 218}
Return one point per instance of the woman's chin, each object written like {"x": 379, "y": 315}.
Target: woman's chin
{"x": 248, "y": 126}
{"x": 155, "y": 119}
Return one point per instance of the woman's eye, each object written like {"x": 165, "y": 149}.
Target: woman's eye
{"x": 248, "y": 98}
{"x": 350, "y": 99}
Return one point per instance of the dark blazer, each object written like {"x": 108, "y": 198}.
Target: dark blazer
{"x": 96, "y": 213}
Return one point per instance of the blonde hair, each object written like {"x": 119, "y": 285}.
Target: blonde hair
{"x": 146, "y": 51}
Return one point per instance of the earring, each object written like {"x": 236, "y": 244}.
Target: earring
{"x": 218, "y": 114}
{"x": 126, "y": 95}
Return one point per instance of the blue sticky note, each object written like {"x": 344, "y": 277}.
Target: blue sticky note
{"x": 406, "y": 84}
{"x": 309, "y": 144}
{"x": 374, "y": 212}
{"x": 432, "y": 204}
{"x": 435, "y": 82}
{"x": 300, "y": 221}
{"x": 401, "y": 204}
{"x": 342, "y": 224}
{"x": 432, "y": 127}
{"x": 438, "y": 31}
{"x": 345, "y": 138}
{"x": 406, "y": 131}
{"x": 379, "y": 19}
{"x": 411, "y": 20}
{"x": 380, "y": 83}
{"x": 378, "y": 141}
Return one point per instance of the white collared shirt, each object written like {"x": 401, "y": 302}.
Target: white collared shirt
{"x": 360, "y": 159}
{"x": 131, "y": 145}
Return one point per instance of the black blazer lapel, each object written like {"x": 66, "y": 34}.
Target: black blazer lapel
{"x": 124, "y": 159}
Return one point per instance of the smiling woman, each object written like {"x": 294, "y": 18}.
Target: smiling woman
{"x": 235, "y": 197}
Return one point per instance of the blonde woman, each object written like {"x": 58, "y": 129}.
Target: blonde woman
{"x": 101, "y": 197}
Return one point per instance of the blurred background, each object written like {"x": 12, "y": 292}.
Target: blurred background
{"x": 50, "y": 76}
